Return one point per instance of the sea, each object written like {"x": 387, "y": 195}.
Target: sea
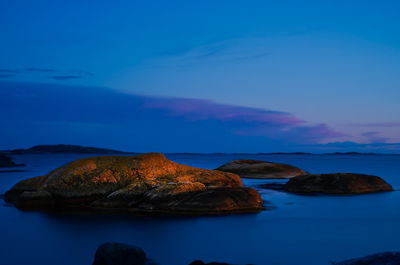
{"x": 294, "y": 229}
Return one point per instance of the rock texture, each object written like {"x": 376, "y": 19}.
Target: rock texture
{"x": 337, "y": 183}
{"x": 147, "y": 183}
{"x": 386, "y": 258}
{"x": 261, "y": 169}
{"x": 6, "y": 161}
{"x": 119, "y": 254}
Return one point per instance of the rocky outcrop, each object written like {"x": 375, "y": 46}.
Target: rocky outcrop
{"x": 337, "y": 183}
{"x": 147, "y": 183}
{"x": 386, "y": 258}
{"x": 261, "y": 169}
{"x": 112, "y": 253}
{"x": 6, "y": 161}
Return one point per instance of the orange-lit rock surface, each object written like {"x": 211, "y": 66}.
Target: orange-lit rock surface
{"x": 144, "y": 183}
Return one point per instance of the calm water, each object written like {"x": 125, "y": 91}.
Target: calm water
{"x": 296, "y": 230}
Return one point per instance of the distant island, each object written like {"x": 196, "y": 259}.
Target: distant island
{"x": 285, "y": 153}
{"x": 349, "y": 153}
{"x": 62, "y": 149}
{"x": 77, "y": 149}
{"x": 6, "y": 161}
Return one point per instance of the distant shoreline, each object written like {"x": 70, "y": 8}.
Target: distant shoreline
{"x": 77, "y": 149}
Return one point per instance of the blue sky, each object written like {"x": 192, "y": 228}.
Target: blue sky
{"x": 267, "y": 75}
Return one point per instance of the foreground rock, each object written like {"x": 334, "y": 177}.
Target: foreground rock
{"x": 261, "y": 169}
{"x": 119, "y": 254}
{"x": 147, "y": 183}
{"x": 6, "y": 161}
{"x": 112, "y": 253}
{"x": 386, "y": 258}
{"x": 337, "y": 183}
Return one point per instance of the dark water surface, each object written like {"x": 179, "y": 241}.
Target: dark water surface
{"x": 296, "y": 230}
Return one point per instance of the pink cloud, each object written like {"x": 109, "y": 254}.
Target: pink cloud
{"x": 199, "y": 109}
{"x": 245, "y": 121}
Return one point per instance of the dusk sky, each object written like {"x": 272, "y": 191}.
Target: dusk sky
{"x": 201, "y": 76}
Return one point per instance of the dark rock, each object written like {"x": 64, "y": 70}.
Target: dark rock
{"x": 261, "y": 169}
{"x": 199, "y": 262}
{"x": 386, "y": 258}
{"x": 119, "y": 254}
{"x": 272, "y": 186}
{"x": 6, "y": 161}
{"x": 147, "y": 183}
{"x": 337, "y": 183}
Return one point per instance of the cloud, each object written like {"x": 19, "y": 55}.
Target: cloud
{"x": 59, "y": 75}
{"x": 199, "y": 109}
{"x": 378, "y": 124}
{"x": 40, "y": 70}
{"x": 88, "y": 114}
{"x": 374, "y": 137}
{"x": 8, "y": 71}
{"x": 65, "y": 77}
{"x": 32, "y": 113}
{"x": 225, "y": 52}
{"x": 6, "y": 75}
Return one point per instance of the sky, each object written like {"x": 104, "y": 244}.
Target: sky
{"x": 201, "y": 76}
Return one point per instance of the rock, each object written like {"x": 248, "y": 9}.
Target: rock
{"x": 147, "y": 183}
{"x": 261, "y": 169}
{"x": 337, "y": 183}
{"x": 6, "y": 161}
{"x": 385, "y": 258}
{"x": 199, "y": 262}
{"x": 272, "y": 186}
{"x": 35, "y": 199}
{"x": 112, "y": 253}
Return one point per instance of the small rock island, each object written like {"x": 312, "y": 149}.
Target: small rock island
{"x": 261, "y": 169}
{"x": 385, "y": 258}
{"x": 147, "y": 183}
{"x": 337, "y": 183}
{"x": 6, "y": 161}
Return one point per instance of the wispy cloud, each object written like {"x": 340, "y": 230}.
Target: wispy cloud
{"x": 65, "y": 77}
{"x": 199, "y": 109}
{"x": 226, "y": 52}
{"x": 378, "y": 124}
{"x": 374, "y": 137}
{"x": 6, "y": 75}
{"x": 8, "y": 71}
{"x": 40, "y": 70}
{"x": 45, "y": 72}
